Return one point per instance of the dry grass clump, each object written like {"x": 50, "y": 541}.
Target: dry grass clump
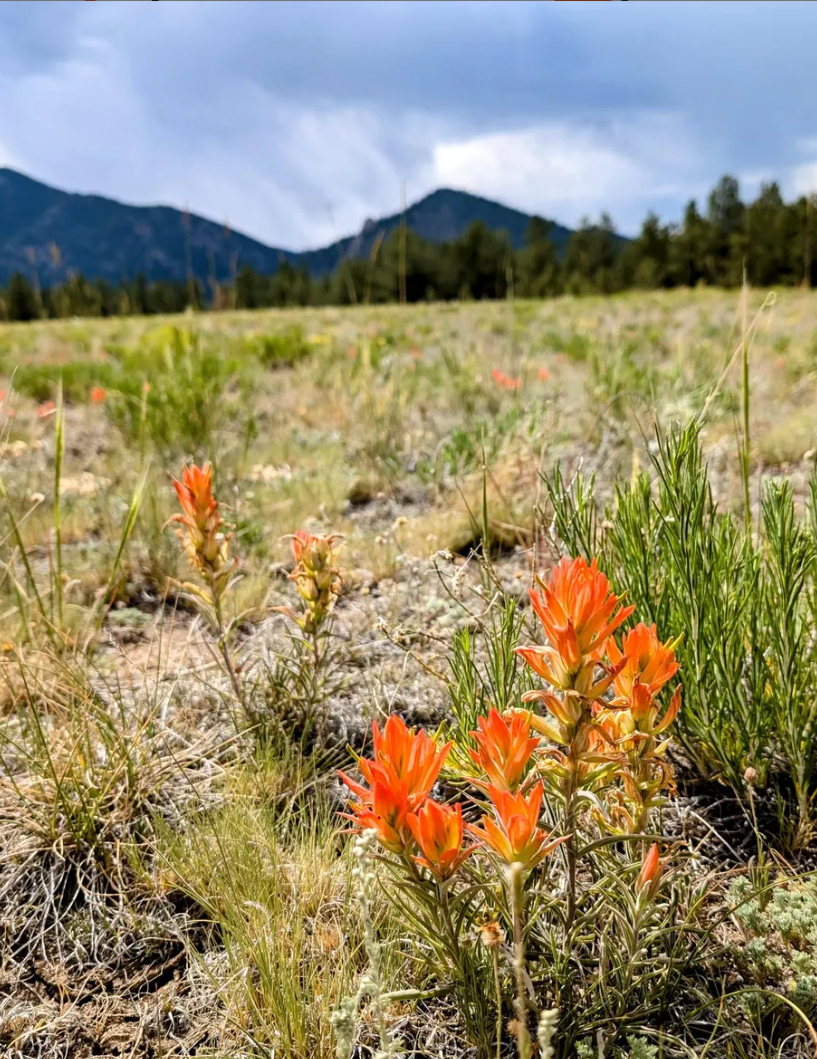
{"x": 83, "y": 779}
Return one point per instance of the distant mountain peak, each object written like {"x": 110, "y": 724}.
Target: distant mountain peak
{"x": 103, "y": 238}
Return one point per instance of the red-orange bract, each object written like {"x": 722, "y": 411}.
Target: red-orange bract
{"x": 385, "y": 811}
{"x": 650, "y": 870}
{"x": 301, "y": 542}
{"x": 401, "y": 756}
{"x": 645, "y": 659}
{"x": 504, "y": 748}
{"x": 97, "y": 395}
{"x": 578, "y": 613}
{"x": 405, "y": 767}
{"x": 200, "y": 516}
{"x": 507, "y": 382}
{"x": 516, "y": 836}
{"x": 438, "y": 830}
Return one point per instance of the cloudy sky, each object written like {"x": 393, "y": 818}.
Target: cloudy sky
{"x": 296, "y": 121}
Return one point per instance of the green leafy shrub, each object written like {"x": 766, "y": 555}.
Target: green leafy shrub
{"x": 41, "y": 381}
{"x": 283, "y": 350}
{"x": 745, "y": 608}
{"x": 177, "y": 392}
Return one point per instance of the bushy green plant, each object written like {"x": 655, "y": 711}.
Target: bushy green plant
{"x": 745, "y": 608}
{"x": 177, "y": 392}
{"x": 283, "y": 350}
{"x": 41, "y": 382}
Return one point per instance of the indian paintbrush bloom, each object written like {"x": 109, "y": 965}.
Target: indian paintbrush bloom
{"x": 645, "y": 660}
{"x": 97, "y": 395}
{"x": 316, "y": 575}
{"x": 384, "y": 811}
{"x": 578, "y": 613}
{"x": 201, "y": 526}
{"x": 515, "y": 835}
{"x": 400, "y": 757}
{"x": 650, "y": 873}
{"x": 504, "y": 748}
{"x": 633, "y": 721}
{"x": 438, "y": 831}
{"x": 506, "y": 382}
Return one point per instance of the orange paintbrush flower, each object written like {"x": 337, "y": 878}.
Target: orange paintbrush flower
{"x": 515, "y": 835}
{"x": 316, "y": 574}
{"x": 47, "y": 408}
{"x": 643, "y": 660}
{"x": 313, "y": 550}
{"x": 506, "y": 382}
{"x": 504, "y": 749}
{"x": 97, "y": 395}
{"x": 438, "y": 831}
{"x": 384, "y": 810}
{"x": 578, "y": 613}
{"x": 401, "y": 756}
{"x": 650, "y": 871}
{"x": 405, "y": 755}
{"x": 200, "y": 522}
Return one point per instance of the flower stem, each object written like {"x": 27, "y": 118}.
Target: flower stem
{"x": 222, "y": 642}
{"x": 570, "y": 844}
{"x": 498, "y": 991}
{"x": 523, "y": 1040}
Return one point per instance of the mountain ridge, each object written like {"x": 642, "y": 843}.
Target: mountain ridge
{"x": 58, "y": 232}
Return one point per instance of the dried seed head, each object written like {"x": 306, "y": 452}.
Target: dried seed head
{"x": 491, "y": 934}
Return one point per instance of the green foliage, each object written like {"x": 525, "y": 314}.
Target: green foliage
{"x": 78, "y": 377}
{"x": 745, "y": 608}
{"x": 619, "y": 378}
{"x": 177, "y": 392}
{"x": 20, "y": 302}
{"x": 283, "y": 350}
{"x": 780, "y": 939}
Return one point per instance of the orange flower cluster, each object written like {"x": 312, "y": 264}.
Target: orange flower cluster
{"x": 633, "y": 720}
{"x": 504, "y": 749}
{"x": 396, "y": 804}
{"x": 201, "y": 527}
{"x": 581, "y": 661}
{"x": 515, "y": 835}
{"x": 316, "y": 575}
{"x": 505, "y": 382}
{"x": 578, "y": 613}
{"x": 97, "y": 395}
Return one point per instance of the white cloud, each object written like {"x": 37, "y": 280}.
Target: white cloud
{"x": 567, "y": 170}
{"x": 803, "y": 178}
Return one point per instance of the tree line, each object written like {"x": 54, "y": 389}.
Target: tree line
{"x": 770, "y": 238}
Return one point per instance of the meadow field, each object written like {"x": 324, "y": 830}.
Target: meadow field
{"x": 583, "y": 827}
